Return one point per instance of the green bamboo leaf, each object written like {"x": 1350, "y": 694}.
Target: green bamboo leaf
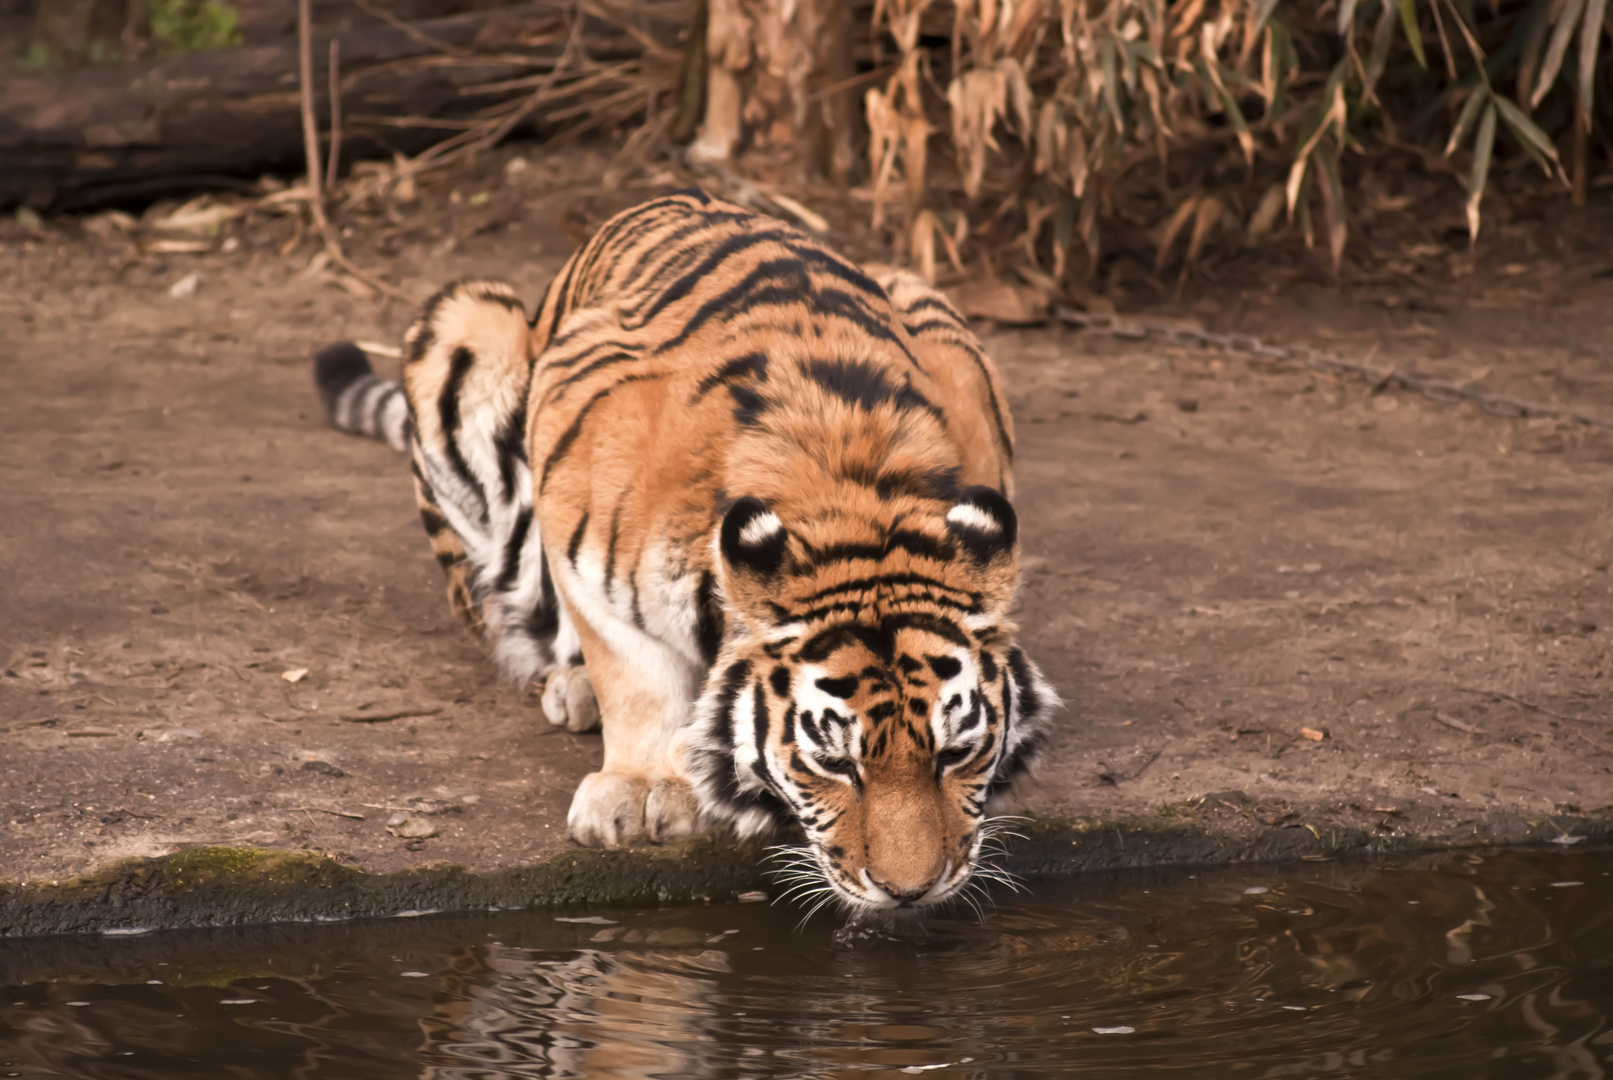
{"x": 1532, "y": 35}
{"x": 1560, "y": 35}
{"x": 1414, "y": 36}
{"x": 1382, "y": 38}
{"x": 1537, "y": 142}
{"x": 1464, "y": 121}
{"x": 1483, "y": 145}
{"x": 1590, "y": 37}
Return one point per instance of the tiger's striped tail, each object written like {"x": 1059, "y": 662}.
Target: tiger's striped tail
{"x": 359, "y": 401}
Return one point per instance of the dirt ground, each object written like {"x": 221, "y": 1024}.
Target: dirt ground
{"x": 1219, "y": 555}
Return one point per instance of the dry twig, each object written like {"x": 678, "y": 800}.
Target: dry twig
{"x": 310, "y": 138}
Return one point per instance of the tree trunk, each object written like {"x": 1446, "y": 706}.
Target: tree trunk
{"x": 775, "y": 91}
{"x": 102, "y": 135}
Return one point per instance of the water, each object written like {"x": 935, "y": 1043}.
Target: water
{"x": 1463, "y": 966}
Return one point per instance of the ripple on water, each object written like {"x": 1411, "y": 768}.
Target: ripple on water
{"x": 1456, "y": 966}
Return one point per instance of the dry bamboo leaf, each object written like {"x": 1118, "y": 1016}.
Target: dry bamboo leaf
{"x": 884, "y": 132}
{"x": 952, "y": 242}
{"x": 1018, "y": 92}
{"x": 977, "y": 99}
{"x": 921, "y": 244}
{"x": 1483, "y": 144}
{"x": 1334, "y": 206}
{"x": 1265, "y": 215}
{"x": 1022, "y": 27}
{"x": 1205, "y": 218}
{"x": 915, "y": 155}
{"x": 1077, "y": 165}
{"x": 808, "y": 217}
{"x": 1172, "y": 227}
{"x": 1050, "y": 136}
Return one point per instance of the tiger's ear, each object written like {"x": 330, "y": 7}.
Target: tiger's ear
{"x": 984, "y": 522}
{"x": 752, "y": 538}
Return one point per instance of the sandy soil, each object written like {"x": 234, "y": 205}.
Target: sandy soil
{"x": 1218, "y": 556}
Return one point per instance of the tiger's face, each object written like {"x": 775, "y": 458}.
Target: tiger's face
{"x": 881, "y": 705}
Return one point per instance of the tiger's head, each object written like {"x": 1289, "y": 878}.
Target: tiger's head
{"x": 868, "y": 688}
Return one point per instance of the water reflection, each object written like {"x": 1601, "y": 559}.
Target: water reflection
{"x": 1451, "y": 966}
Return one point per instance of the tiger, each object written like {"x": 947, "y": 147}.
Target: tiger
{"x": 744, "y": 506}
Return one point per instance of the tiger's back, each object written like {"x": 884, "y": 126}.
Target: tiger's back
{"x": 717, "y": 436}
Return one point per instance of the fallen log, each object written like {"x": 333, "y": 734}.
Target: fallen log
{"x": 101, "y": 136}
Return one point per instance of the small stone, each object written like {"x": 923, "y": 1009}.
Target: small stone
{"x": 1255, "y": 890}
{"x": 1188, "y": 404}
{"x": 324, "y": 768}
{"x": 751, "y": 897}
{"x": 1473, "y": 997}
{"x": 179, "y": 733}
{"x": 470, "y": 800}
{"x": 410, "y": 828}
{"x": 1313, "y": 734}
{"x": 295, "y": 675}
{"x": 1122, "y": 1029}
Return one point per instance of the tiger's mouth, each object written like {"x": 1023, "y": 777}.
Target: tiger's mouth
{"x": 811, "y": 877}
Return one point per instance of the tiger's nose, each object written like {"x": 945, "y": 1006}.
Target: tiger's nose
{"x": 906, "y": 894}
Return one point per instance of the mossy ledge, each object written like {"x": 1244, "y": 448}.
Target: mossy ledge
{"x": 221, "y": 886}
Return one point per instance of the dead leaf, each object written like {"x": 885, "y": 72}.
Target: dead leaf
{"x": 176, "y": 247}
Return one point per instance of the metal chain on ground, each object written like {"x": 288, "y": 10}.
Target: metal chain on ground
{"x": 1129, "y": 327}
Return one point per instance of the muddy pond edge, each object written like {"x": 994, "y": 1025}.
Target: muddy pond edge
{"x": 224, "y": 886}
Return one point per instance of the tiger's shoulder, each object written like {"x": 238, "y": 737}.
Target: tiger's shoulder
{"x": 706, "y": 300}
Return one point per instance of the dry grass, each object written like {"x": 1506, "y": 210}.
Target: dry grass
{"x": 1032, "y": 126}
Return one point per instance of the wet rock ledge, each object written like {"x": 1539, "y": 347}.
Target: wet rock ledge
{"x": 228, "y": 886}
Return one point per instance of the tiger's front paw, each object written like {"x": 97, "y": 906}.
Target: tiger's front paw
{"x": 568, "y": 700}
{"x": 615, "y": 810}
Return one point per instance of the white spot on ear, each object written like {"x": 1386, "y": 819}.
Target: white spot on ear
{"x": 761, "y": 528}
{"x": 970, "y": 516}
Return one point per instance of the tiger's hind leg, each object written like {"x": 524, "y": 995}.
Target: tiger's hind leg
{"x": 466, "y": 375}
